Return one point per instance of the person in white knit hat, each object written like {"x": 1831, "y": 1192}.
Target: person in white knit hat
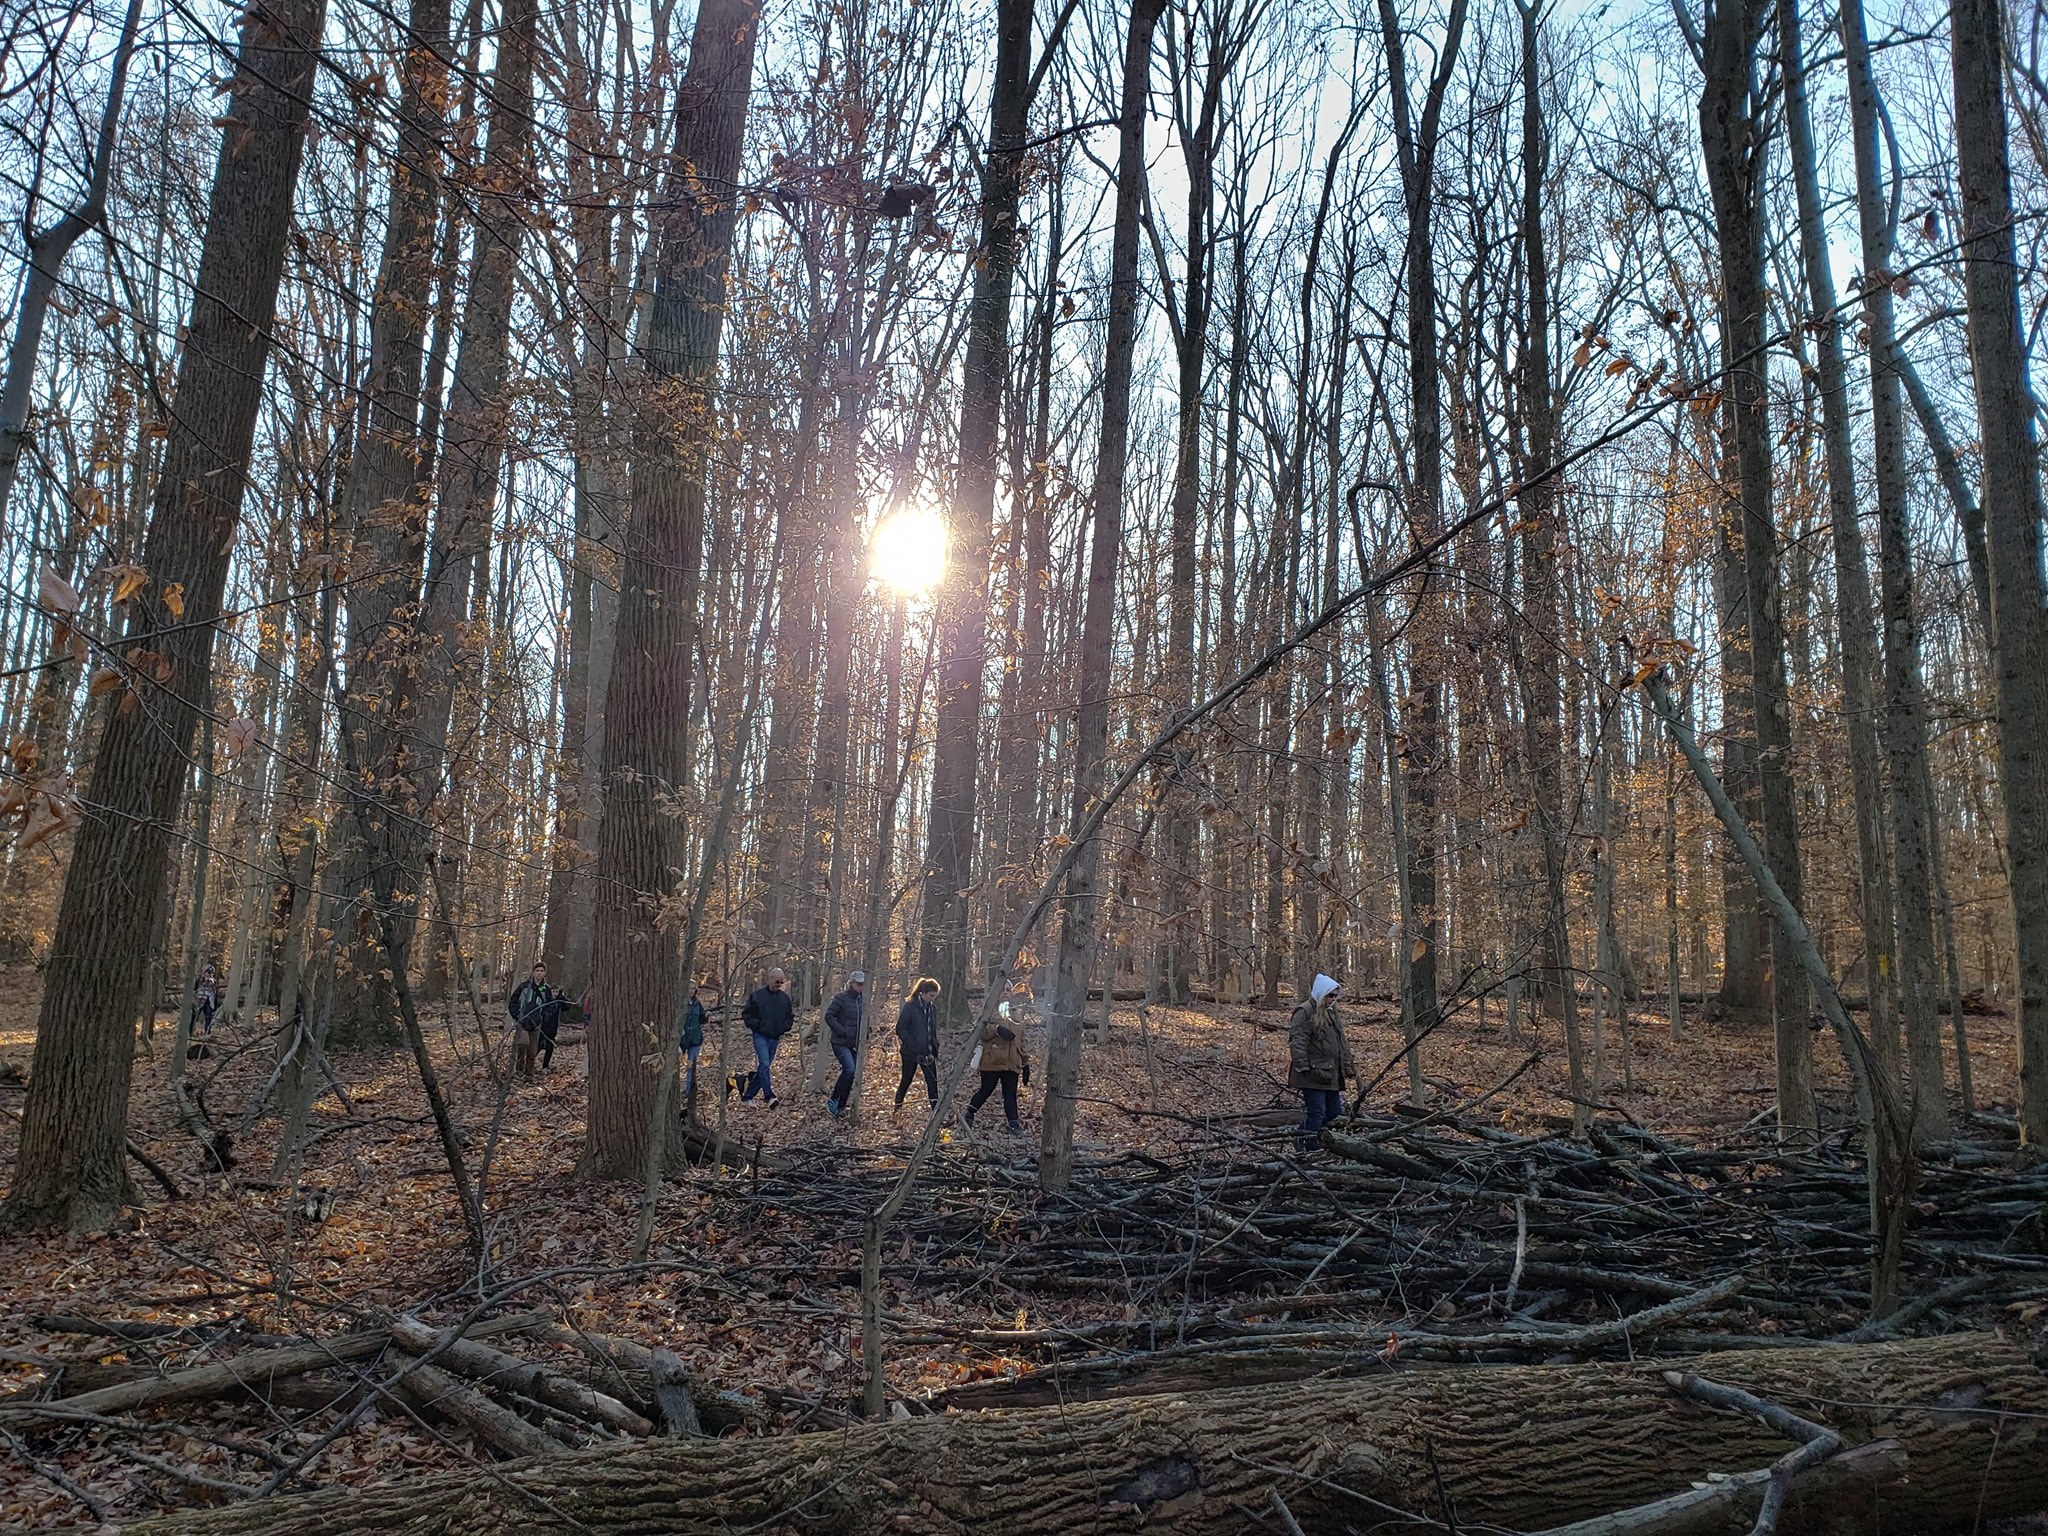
{"x": 1318, "y": 1058}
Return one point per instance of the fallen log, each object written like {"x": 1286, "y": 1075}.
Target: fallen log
{"x": 494, "y": 1368}
{"x": 430, "y": 1387}
{"x": 253, "y": 1371}
{"x": 1525, "y": 1447}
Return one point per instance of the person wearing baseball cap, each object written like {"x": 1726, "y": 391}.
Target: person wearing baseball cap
{"x": 842, "y": 1019}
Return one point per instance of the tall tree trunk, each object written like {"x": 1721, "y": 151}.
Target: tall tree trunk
{"x": 1905, "y": 720}
{"x": 962, "y": 635}
{"x": 1422, "y": 753}
{"x": 1078, "y": 916}
{"x": 384, "y": 512}
{"x": 2012, "y": 515}
{"x": 1897, "y": 958}
{"x": 469, "y": 469}
{"x": 636, "y": 981}
{"x": 69, "y": 1168}
{"x": 1541, "y": 684}
{"x": 1729, "y": 116}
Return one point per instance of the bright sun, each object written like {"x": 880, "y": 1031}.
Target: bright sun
{"x": 909, "y": 550}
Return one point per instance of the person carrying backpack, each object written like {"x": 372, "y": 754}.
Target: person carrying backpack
{"x": 917, "y": 1036}
{"x": 842, "y": 1020}
{"x": 769, "y": 1013}
{"x": 1003, "y": 1061}
{"x": 1318, "y": 1058}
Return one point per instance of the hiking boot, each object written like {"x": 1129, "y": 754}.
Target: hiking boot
{"x": 1016, "y": 1127}
{"x": 967, "y": 1115}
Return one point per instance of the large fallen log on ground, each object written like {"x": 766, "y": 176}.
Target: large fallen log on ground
{"x": 1522, "y": 1447}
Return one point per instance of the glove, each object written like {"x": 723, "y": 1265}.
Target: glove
{"x": 1004, "y": 1032}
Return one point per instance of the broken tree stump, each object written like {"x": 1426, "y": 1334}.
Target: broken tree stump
{"x": 1524, "y": 1447}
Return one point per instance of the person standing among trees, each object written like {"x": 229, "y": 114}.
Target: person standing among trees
{"x": 692, "y": 1042}
{"x": 1318, "y": 1058}
{"x": 917, "y": 1035}
{"x": 842, "y": 1019}
{"x": 1003, "y": 1061}
{"x": 206, "y": 998}
{"x": 768, "y": 1014}
{"x": 536, "y": 1009}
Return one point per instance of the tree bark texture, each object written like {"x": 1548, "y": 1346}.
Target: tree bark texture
{"x": 1519, "y": 1447}
{"x": 961, "y": 641}
{"x": 1077, "y": 944}
{"x": 637, "y": 984}
{"x": 384, "y": 512}
{"x": 1859, "y": 654}
{"x": 1905, "y": 715}
{"x": 2012, "y": 515}
{"x": 1729, "y": 114}
{"x": 69, "y": 1170}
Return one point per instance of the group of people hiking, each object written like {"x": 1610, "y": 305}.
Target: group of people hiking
{"x": 769, "y": 1015}
{"x": 1319, "y": 1062}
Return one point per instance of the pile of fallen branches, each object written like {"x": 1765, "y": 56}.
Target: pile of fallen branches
{"x": 1424, "y": 1236}
{"x": 581, "y": 1389}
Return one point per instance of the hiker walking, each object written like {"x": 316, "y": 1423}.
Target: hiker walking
{"x": 692, "y": 1042}
{"x": 1318, "y": 1058}
{"x": 917, "y": 1036}
{"x": 842, "y": 1021}
{"x": 769, "y": 1013}
{"x": 1003, "y": 1062}
{"x": 536, "y": 1010}
{"x": 206, "y": 998}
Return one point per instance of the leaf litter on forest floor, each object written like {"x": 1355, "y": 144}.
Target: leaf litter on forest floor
{"x": 754, "y": 1297}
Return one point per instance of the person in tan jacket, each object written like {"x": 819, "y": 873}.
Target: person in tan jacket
{"x": 1318, "y": 1058}
{"x": 1003, "y": 1062}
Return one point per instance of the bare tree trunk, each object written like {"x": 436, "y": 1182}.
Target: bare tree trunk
{"x": 1729, "y": 116}
{"x": 1905, "y": 723}
{"x": 70, "y": 1170}
{"x": 1078, "y": 916}
{"x": 1541, "y": 684}
{"x": 385, "y": 519}
{"x": 962, "y": 636}
{"x": 2012, "y": 516}
{"x": 1896, "y": 967}
{"x": 1416, "y": 145}
{"x": 633, "y": 957}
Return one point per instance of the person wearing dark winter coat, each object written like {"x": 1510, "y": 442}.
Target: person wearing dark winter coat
{"x": 842, "y": 1019}
{"x": 206, "y": 998}
{"x": 917, "y": 1036}
{"x": 1003, "y": 1061}
{"x": 769, "y": 1014}
{"x": 1318, "y": 1058}
{"x": 536, "y": 1008}
{"x": 692, "y": 1041}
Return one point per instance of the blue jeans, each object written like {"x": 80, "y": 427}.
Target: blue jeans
{"x": 690, "y": 1069}
{"x": 1320, "y": 1106}
{"x": 764, "y": 1058}
{"x": 843, "y": 1089}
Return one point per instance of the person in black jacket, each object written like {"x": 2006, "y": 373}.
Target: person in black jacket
{"x": 692, "y": 1041}
{"x": 769, "y": 1014}
{"x": 842, "y": 1020}
{"x": 537, "y": 1009}
{"x": 917, "y": 1034}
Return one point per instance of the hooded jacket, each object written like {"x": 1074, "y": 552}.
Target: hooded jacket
{"x": 1318, "y": 1055}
